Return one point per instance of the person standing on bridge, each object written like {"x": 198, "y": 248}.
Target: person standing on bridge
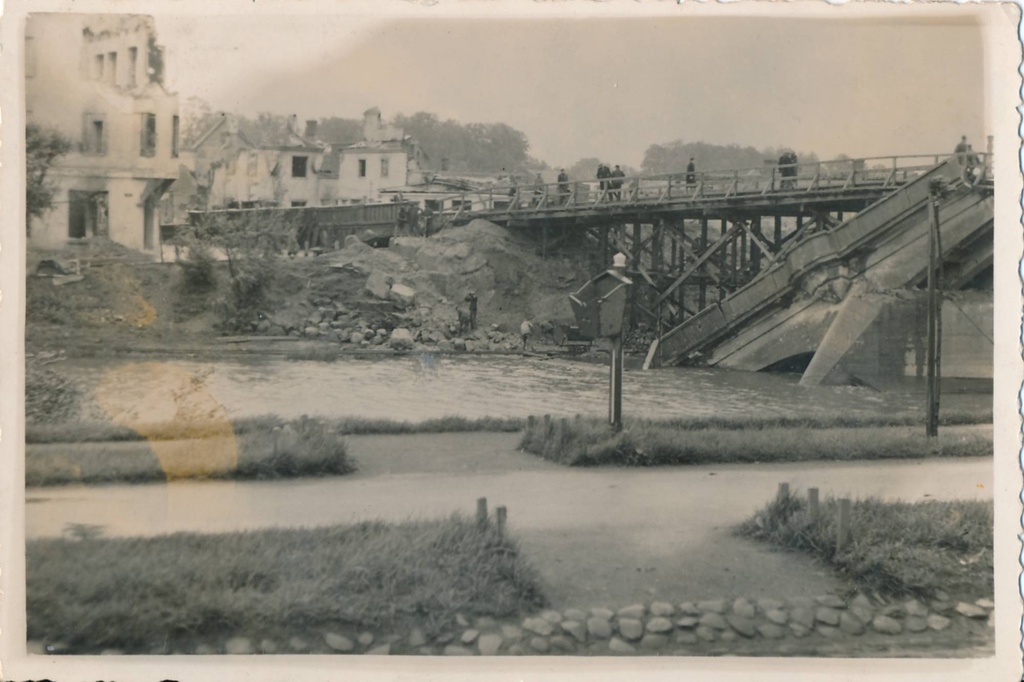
{"x": 602, "y": 174}
{"x": 563, "y": 187}
{"x": 961, "y": 150}
{"x": 691, "y": 174}
{"x": 616, "y": 184}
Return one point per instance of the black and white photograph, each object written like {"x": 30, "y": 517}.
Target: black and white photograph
{"x": 361, "y": 341}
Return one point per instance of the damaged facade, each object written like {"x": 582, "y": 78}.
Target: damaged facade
{"x": 108, "y": 97}
{"x": 297, "y": 169}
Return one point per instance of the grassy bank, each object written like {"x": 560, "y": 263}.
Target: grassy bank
{"x": 590, "y": 442}
{"x": 134, "y": 592}
{"x": 897, "y": 547}
{"x": 265, "y": 450}
{"x": 105, "y": 432}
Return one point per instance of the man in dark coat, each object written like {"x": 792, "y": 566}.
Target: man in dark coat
{"x": 616, "y": 185}
{"x": 691, "y": 173}
{"x": 602, "y": 174}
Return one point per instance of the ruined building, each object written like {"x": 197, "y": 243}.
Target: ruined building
{"x": 99, "y": 81}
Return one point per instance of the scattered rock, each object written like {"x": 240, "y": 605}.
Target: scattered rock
{"x": 851, "y": 624}
{"x": 886, "y": 625}
{"x": 687, "y": 622}
{"x": 714, "y": 620}
{"x": 618, "y": 646}
{"x": 576, "y": 629}
{"x": 802, "y": 603}
{"x": 827, "y": 615}
{"x": 403, "y": 296}
{"x": 777, "y": 616}
{"x": 575, "y": 614}
{"x": 489, "y": 644}
{"x": 937, "y": 622}
{"x": 538, "y": 626}
{"x": 743, "y": 608}
{"x": 712, "y": 606}
{"x": 457, "y": 650}
{"x": 915, "y": 608}
{"x": 688, "y": 608}
{"x": 659, "y": 625}
{"x": 444, "y": 638}
{"x": 607, "y": 614}
{"x": 469, "y": 636}
{"x": 540, "y": 645}
{"x": 298, "y": 644}
{"x": 942, "y": 606}
{"x": 662, "y": 608}
{"x": 653, "y": 642}
{"x": 971, "y": 610}
{"x": 686, "y": 638}
{"x": 631, "y": 628}
{"x": 205, "y": 649}
{"x": 401, "y": 339}
{"x": 729, "y": 636}
{"x": 767, "y": 605}
{"x": 863, "y": 615}
{"x": 741, "y": 624}
{"x": 365, "y": 638}
{"x": 916, "y": 624}
{"x": 562, "y": 643}
{"x": 986, "y": 603}
{"x": 378, "y": 285}
{"x": 511, "y": 631}
{"x": 828, "y": 631}
{"x": 380, "y": 650}
{"x": 268, "y": 646}
{"x": 771, "y": 631}
{"x": 338, "y": 642}
{"x": 485, "y": 623}
{"x": 705, "y": 633}
{"x": 239, "y": 646}
{"x": 831, "y": 601}
{"x": 552, "y": 616}
{"x": 799, "y": 630}
{"x": 600, "y": 628}
{"x": 417, "y": 638}
{"x": 634, "y": 611}
{"x": 803, "y": 616}
{"x": 894, "y": 611}
{"x": 516, "y": 650}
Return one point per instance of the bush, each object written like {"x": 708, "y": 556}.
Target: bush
{"x": 49, "y": 396}
{"x": 897, "y": 548}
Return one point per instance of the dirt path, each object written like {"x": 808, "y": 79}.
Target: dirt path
{"x": 598, "y": 536}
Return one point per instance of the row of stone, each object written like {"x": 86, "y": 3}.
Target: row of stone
{"x": 656, "y": 628}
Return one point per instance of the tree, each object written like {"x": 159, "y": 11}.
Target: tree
{"x": 473, "y": 147}
{"x": 43, "y": 146}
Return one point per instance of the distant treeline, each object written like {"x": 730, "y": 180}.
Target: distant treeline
{"x": 672, "y": 157}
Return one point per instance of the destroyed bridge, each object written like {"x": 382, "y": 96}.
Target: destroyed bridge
{"x": 757, "y": 268}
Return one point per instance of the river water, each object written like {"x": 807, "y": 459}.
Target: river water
{"x": 418, "y": 388}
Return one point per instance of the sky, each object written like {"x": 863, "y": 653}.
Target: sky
{"x": 606, "y": 88}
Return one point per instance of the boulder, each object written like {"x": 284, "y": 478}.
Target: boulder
{"x": 540, "y": 645}
{"x": 771, "y": 631}
{"x": 777, "y": 616}
{"x": 937, "y": 622}
{"x": 850, "y": 624}
{"x": 618, "y": 646}
{"x": 378, "y": 285}
{"x": 576, "y": 629}
{"x": 659, "y": 625}
{"x": 401, "y": 339}
{"x": 633, "y": 611}
{"x": 741, "y": 624}
{"x": 239, "y": 646}
{"x": 339, "y": 642}
{"x": 403, "y": 296}
{"x": 886, "y": 625}
{"x": 600, "y": 628}
{"x": 742, "y": 607}
{"x": 538, "y": 626}
{"x": 380, "y": 650}
{"x": 662, "y": 608}
{"x": 631, "y": 628}
{"x": 489, "y": 644}
{"x": 971, "y": 610}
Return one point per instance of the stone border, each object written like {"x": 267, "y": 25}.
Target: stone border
{"x": 658, "y": 628}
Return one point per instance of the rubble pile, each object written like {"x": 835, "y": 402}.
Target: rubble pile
{"x": 408, "y": 296}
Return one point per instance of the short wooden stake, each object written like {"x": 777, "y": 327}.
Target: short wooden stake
{"x": 531, "y": 423}
{"x": 481, "y": 511}
{"x": 564, "y": 423}
{"x": 783, "y": 491}
{"x": 502, "y": 516}
{"x": 843, "y": 527}
{"x": 812, "y": 502}
{"x": 548, "y": 426}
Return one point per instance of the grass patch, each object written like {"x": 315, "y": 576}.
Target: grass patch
{"x": 897, "y": 548}
{"x": 590, "y": 442}
{"x": 260, "y": 450}
{"x": 136, "y": 592}
{"x": 105, "y": 432}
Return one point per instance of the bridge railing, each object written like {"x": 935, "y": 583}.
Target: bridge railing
{"x": 769, "y": 178}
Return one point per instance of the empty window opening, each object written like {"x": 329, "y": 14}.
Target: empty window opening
{"x": 299, "y": 164}
{"x": 148, "y": 141}
{"x": 362, "y": 168}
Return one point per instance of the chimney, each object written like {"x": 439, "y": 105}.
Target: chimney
{"x": 293, "y": 124}
{"x": 310, "y": 129}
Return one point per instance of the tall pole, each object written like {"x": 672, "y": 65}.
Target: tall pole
{"x": 932, "y": 428}
{"x": 615, "y": 397}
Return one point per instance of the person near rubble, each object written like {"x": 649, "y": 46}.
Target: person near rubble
{"x": 428, "y": 220}
{"x": 602, "y": 175}
{"x": 691, "y": 173}
{"x": 526, "y": 331}
{"x": 402, "y": 222}
{"x": 616, "y": 185}
{"x": 471, "y": 302}
{"x": 563, "y": 187}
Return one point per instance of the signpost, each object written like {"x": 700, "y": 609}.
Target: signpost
{"x": 600, "y": 310}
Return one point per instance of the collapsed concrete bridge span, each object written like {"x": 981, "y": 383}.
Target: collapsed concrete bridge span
{"x": 849, "y": 291}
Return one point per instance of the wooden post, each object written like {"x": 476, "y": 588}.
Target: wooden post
{"x": 702, "y": 294}
{"x": 481, "y": 511}
{"x": 843, "y": 526}
{"x": 722, "y": 256}
{"x": 547, "y": 425}
{"x": 778, "y": 232}
{"x": 502, "y": 518}
{"x": 934, "y": 310}
{"x": 564, "y": 435}
{"x": 783, "y": 491}
{"x": 531, "y": 423}
{"x": 812, "y": 502}
{"x": 604, "y": 245}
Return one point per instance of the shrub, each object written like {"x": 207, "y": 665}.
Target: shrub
{"x": 49, "y": 396}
